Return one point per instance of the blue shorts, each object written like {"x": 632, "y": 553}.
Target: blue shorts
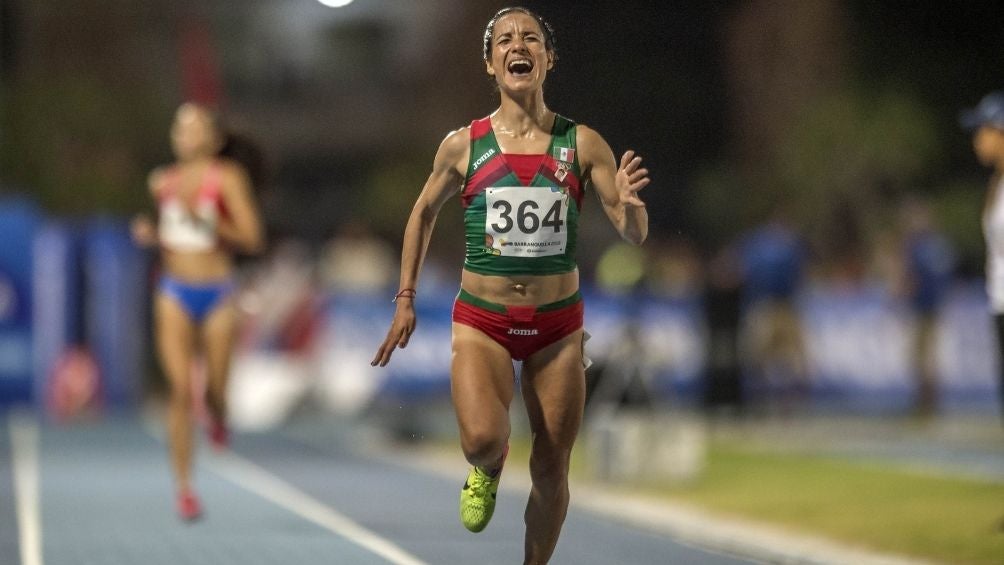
{"x": 197, "y": 300}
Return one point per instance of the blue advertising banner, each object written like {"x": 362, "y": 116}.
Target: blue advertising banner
{"x": 58, "y": 315}
{"x": 116, "y": 299}
{"x": 18, "y": 221}
{"x": 857, "y": 345}
{"x": 861, "y": 350}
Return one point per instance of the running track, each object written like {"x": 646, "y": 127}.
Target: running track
{"x": 100, "y": 494}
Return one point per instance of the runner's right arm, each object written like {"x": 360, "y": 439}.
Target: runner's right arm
{"x": 142, "y": 227}
{"x": 448, "y": 170}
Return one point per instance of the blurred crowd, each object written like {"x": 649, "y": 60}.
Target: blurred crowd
{"x": 753, "y": 306}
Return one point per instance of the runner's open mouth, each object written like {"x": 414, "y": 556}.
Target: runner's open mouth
{"x": 520, "y": 66}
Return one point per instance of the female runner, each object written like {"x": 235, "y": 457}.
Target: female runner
{"x": 206, "y": 214}
{"x": 521, "y": 173}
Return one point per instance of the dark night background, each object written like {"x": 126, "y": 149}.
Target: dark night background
{"x": 837, "y": 109}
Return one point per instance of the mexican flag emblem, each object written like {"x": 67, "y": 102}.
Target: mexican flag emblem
{"x": 564, "y": 154}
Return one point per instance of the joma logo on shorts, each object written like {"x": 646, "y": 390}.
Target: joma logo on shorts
{"x": 517, "y": 331}
{"x": 481, "y": 160}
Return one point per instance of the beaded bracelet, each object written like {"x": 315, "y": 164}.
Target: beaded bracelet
{"x": 405, "y": 293}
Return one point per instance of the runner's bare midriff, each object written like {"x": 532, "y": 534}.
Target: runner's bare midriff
{"x": 521, "y": 290}
{"x": 210, "y": 266}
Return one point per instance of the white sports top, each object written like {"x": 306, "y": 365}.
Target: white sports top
{"x": 993, "y": 232}
{"x": 184, "y": 229}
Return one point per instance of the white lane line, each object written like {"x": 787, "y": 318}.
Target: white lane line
{"x": 270, "y": 487}
{"x": 24, "y": 450}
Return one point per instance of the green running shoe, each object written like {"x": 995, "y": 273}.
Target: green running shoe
{"x": 477, "y": 499}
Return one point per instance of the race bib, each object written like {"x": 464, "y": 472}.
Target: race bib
{"x": 526, "y": 221}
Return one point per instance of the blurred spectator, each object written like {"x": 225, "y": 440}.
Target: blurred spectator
{"x": 986, "y": 121}
{"x": 772, "y": 353}
{"x": 281, "y": 302}
{"x": 929, "y": 263}
{"x": 674, "y": 268}
{"x": 74, "y": 388}
{"x": 357, "y": 261}
{"x": 283, "y": 317}
{"x": 722, "y": 307}
{"x": 621, "y": 269}
{"x": 625, "y": 376}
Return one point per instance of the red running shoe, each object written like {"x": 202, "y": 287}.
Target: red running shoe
{"x": 219, "y": 435}
{"x": 189, "y": 507}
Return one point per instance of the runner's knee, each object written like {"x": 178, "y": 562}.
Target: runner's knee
{"x": 181, "y": 398}
{"x": 549, "y": 466}
{"x": 483, "y": 447}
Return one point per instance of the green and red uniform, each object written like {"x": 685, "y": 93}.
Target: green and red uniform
{"x": 521, "y": 216}
{"x": 514, "y": 227}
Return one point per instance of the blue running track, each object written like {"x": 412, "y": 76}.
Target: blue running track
{"x": 100, "y": 494}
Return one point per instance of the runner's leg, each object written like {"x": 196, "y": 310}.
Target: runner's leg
{"x": 554, "y": 390}
{"x": 482, "y": 389}
{"x": 175, "y": 346}
{"x": 218, "y": 340}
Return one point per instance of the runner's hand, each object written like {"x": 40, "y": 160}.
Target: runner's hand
{"x": 400, "y": 332}
{"x": 144, "y": 233}
{"x": 630, "y": 179}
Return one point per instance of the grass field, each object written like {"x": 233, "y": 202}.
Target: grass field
{"x": 949, "y": 519}
{"x": 867, "y": 504}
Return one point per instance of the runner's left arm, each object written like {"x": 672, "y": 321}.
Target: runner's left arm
{"x": 243, "y": 227}
{"x": 616, "y": 186}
